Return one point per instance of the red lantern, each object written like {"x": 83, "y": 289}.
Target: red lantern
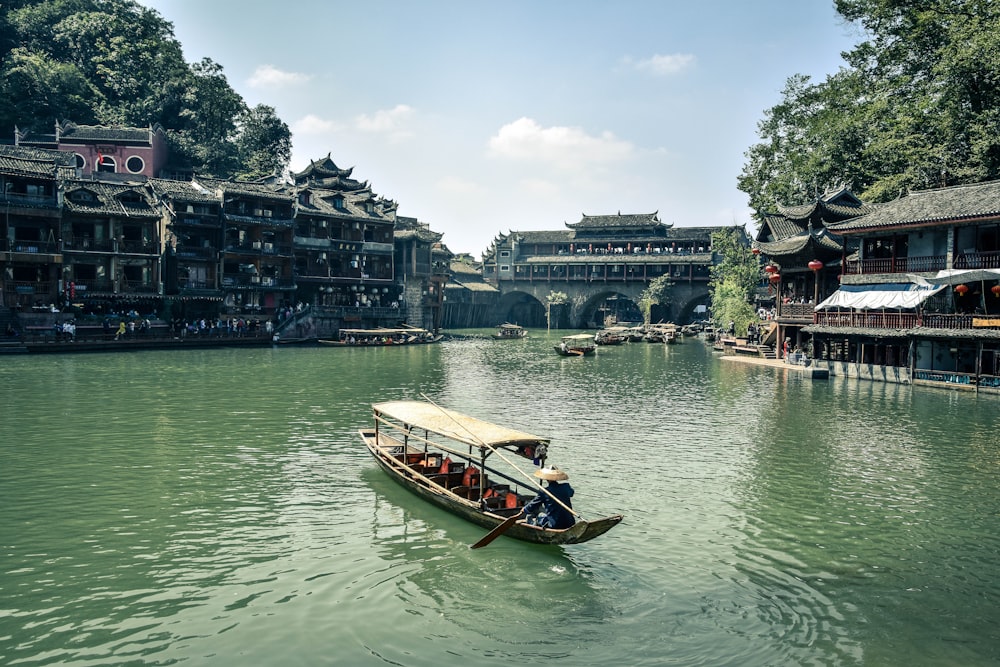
{"x": 770, "y": 268}
{"x": 996, "y": 290}
{"x": 775, "y": 277}
{"x": 815, "y": 265}
{"x": 755, "y": 251}
{"x": 961, "y": 289}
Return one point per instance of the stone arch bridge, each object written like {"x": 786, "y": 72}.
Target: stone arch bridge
{"x": 524, "y": 301}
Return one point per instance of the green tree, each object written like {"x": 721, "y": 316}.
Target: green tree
{"x": 553, "y": 298}
{"x": 917, "y": 106}
{"x": 264, "y": 143}
{"x": 206, "y": 131}
{"x": 657, "y": 293}
{"x": 734, "y": 279}
{"x": 115, "y": 62}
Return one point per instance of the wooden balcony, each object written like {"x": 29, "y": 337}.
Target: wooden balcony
{"x": 889, "y": 320}
{"x": 896, "y": 265}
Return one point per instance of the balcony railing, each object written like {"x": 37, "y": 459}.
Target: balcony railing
{"x": 896, "y": 265}
{"x": 884, "y": 320}
{"x": 978, "y": 260}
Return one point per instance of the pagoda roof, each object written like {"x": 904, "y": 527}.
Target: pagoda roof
{"x": 325, "y": 173}
{"x": 922, "y": 208}
{"x": 832, "y": 207}
{"x": 806, "y": 242}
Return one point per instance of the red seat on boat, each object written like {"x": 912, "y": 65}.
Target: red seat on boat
{"x": 510, "y": 501}
{"x": 470, "y": 476}
{"x": 445, "y": 465}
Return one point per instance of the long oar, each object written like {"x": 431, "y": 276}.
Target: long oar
{"x": 510, "y": 521}
{"x": 498, "y": 531}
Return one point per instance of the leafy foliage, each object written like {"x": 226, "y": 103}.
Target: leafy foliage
{"x": 657, "y": 293}
{"x": 115, "y": 62}
{"x": 734, "y": 279}
{"x": 917, "y": 106}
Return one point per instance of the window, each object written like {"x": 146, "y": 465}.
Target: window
{"x": 135, "y": 164}
{"x": 505, "y": 254}
{"x": 105, "y": 164}
{"x": 80, "y": 162}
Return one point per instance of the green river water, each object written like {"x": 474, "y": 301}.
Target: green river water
{"x": 217, "y": 506}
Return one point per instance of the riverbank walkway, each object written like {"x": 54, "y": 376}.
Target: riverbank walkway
{"x": 809, "y": 371}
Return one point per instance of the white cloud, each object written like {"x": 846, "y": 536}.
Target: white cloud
{"x": 459, "y": 186}
{"x": 390, "y": 122}
{"x": 661, "y": 65}
{"x": 269, "y": 76}
{"x": 568, "y": 147}
{"x": 313, "y": 124}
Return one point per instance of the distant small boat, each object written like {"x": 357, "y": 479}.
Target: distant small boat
{"x": 507, "y": 331}
{"x": 576, "y": 345}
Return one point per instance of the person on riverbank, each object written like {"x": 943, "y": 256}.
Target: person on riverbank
{"x": 552, "y": 507}
{"x": 121, "y": 329}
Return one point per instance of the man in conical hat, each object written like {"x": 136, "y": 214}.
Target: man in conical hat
{"x": 551, "y": 508}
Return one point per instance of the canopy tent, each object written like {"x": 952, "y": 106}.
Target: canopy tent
{"x": 880, "y": 297}
{"x": 455, "y": 425}
{"x": 956, "y": 276}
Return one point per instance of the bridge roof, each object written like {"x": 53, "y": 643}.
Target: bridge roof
{"x": 625, "y": 258}
{"x": 629, "y": 220}
{"x": 616, "y": 236}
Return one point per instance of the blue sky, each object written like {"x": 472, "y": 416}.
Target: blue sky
{"x": 488, "y": 117}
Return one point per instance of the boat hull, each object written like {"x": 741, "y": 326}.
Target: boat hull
{"x": 575, "y": 351}
{"x": 581, "y": 531}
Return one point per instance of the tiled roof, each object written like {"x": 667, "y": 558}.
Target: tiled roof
{"x": 632, "y": 220}
{"x": 916, "y": 332}
{"x": 323, "y": 168}
{"x": 182, "y": 191}
{"x": 354, "y": 204}
{"x": 133, "y": 135}
{"x": 801, "y": 242}
{"x": 952, "y": 204}
{"x": 272, "y": 191}
{"x": 109, "y": 200}
{"x": 63, "y": 158}
{"x": 14, "y": 166}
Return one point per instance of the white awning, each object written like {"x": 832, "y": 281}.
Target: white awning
{"x": 880, "y": 297}
{"x": 956, "y": 276}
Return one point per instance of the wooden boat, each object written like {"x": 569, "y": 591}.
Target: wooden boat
{"x": 463, "y": 465}
{"x": 382, "y": 337}
{"x": 611, "y": 336}
{"x": 576, "y": 345}
{"x": 507, "y": 331}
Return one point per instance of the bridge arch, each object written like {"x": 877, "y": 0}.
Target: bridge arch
{"x": 521, "y": 307}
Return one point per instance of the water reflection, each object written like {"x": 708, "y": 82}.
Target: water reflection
{"x": 165, "y": 508}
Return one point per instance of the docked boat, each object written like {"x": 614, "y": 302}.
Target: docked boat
{"x": 382, "y": 337}
{"x": 464, "y": 465}
{"x": 507, "y": 331}
{"x": 661, "y": 333}
{"x": 576, "y": 345}
{"x": 611, "y": 336}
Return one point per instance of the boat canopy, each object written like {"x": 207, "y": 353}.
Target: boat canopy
{"x": 455, "y": 425}
{"x": 876, "y": 297}
{"x": 383, "y": 332}
{"x": 579, "y": 337}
